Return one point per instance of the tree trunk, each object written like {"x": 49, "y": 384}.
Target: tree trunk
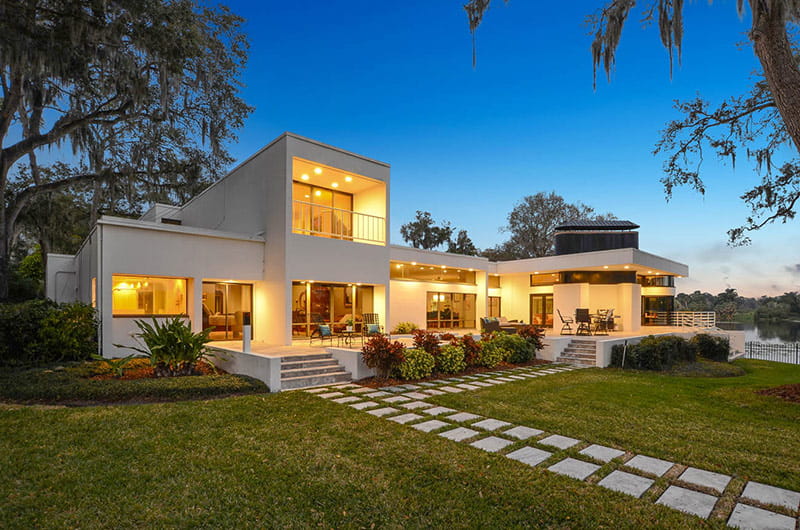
{"x": 772, "y": 47}
{"x": 5, "y": 231}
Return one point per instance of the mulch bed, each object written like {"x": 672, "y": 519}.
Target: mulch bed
{"x": 141, "y": 369}
{"x": 375, "y": 382}
{"x": 787, "y": 392}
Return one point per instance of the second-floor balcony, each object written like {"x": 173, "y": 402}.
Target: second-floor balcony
{"x": 337, "y": 223}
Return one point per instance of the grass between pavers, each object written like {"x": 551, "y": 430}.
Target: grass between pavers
{"x": 67, "y": 385}
{"x": 718, "y": 424}
{"x": 287, "y": 460}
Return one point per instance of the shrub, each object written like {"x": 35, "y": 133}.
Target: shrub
{"x": 172, "y": 347}
{"x": 533, "y": 335}
{"x": 520, "y": 350}
{"x": 655, "y": 353}
{"x": 472, "y": 350}
{"x": 41, "y": 331}
{"x": 424, "y": 340}
{"x": 450, "y": 359}
{"x": 712, "y": 347}
{"x": 403, "y": 328}
{"x": 417, "y": 364}
{"x": 494, "y": 350}
{"x": 382, "y": 355}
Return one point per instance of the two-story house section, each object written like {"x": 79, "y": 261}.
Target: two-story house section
{"x": 296, "y": 236}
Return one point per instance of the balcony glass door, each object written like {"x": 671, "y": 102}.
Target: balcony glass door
{"x": 322, "y": 212}
{"x": 542, "y": 310}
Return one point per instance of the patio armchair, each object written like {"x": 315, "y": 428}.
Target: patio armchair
{"x": 584, "y": 321}
{"x": 492, "y": 324}
{"x": 566, "y": 323}
{"x": 322, "y": 333}
{"x": 371, "y": 326}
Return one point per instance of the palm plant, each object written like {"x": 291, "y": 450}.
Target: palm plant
{"x": 172, "y": 347}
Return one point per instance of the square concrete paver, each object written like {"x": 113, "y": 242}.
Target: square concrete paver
{"x": 415, "y": 405}
{"x": 491, "y": 444}
{"x": 627, "y": 483}
{"x": 562, "y": 442}
{"x": 455, "y": 379}
{"x": 436, "y": 411}
{"x": 364, "y": 405}
{"x": 379, "y": 393}
{"x": 432, "y": 392}
{"x": 410, "y": 387}
{"x": 481, "y": 383}
{"x": 517, "y": 377}
{"x": 458, "y": 434}
{"x": 467, "y": 386}
{"x": 347, "y": 399}
{"x": 648, "y": 464}
{"x": 392, "y": 389}
{"x": 699, "y": 477}
{"x": 330, "y": 395}
{"x": 316, "y": 390}
{"x": 416, "y": 395}
{"x": 397, "y": 399}
{"x": 430, "y": 425}
{"x": 504, "y": 379}
{"x": 360, "y": 390}
{"x": 427, "y": 383}
{"x": 490, "y": 424}
{"x": 405, "y": 418}
{"x": 753, "y": 518}
{"x": 771, "y": 495}
{"x": 529, "y": 455}
{"x": 383, "y": 411}
{"x": 522, "y": 433}
{"x": 451, "y": 389}
{"x": 464, "y": 416}
{"x": 602, "y": 453}
{"x": 495, "y": 381}
{"x": 688, "y": 501}
{"x": 574, "y": 468}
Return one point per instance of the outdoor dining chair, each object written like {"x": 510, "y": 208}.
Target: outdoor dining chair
{"x": 584, "y": 321}
{"x": 566, "y": 323}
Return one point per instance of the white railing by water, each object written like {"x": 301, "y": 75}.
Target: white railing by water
{"x": 692, "y": 319}
{"x": 327, "y": 221}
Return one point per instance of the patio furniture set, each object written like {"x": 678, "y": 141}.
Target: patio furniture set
{"x": 599, "y": 323}
{"x": 347, "y": 335}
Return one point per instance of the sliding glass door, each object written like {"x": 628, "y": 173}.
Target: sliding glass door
{"x": 328, "y": 303}
{"x": 542, "y": 310}
{"x": 450, "y": 310}
{"x": 224, "y": 306}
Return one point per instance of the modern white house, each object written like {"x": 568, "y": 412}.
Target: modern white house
{"x": 297, "y": 235}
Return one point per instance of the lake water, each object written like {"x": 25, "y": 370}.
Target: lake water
{"x": 775, "y": 332}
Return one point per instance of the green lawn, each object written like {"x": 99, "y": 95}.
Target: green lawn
{"x": 287, "y": 460}
{"x": 719, "y": 424}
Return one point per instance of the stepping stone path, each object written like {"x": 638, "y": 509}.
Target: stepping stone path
{"x": 574, "y": 468}
{"x": 654, "y": 466}
{"x": 491, "y": 444}
{"x": 627, "y": 483}
{"x": 692, "y": 502}
{"x": 562, "y": 442}
{"x": 679, "y": 493}
{"x": 602, "y": 453}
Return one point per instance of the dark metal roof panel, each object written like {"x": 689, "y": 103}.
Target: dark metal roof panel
{"x": 584, "y": 224}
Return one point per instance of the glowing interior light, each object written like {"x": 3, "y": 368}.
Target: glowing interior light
{"x": 318, "y": 170}
{"x": 348, "y": 178}
{"x": 304, "y": 176}
{"x": 335, "y": 185}
{"x": 318, "y": 193}
{"x": 413, "y": 262}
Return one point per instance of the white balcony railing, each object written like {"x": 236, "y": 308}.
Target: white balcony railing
{"x": 326, "y": 221}
{"x": 693, "y": 319}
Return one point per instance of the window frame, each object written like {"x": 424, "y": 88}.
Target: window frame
{"x": 185, "y": 314}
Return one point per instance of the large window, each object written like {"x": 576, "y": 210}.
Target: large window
{"x": 429, "y": 273}
{"x": 225, "y": 306}
{"x": 450, "y": 310}
{"x": 656, "y": 281}
{"x": 598, "y": 277}
{"x": 494, "y": 281}
{"x": 329, "y": 303}
{"x": 656, "y": 310}
{"x": 548, "y": 278}
{"x": 146, "y": 295}
{"x": 322, "y": 212}
{"x": 542, "y": 310}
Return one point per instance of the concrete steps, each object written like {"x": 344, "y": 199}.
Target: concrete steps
{"x": 302, "y": 371}
{"x": 579, "y": 351}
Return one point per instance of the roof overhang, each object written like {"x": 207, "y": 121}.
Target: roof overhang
{"x": 630, "y": 259}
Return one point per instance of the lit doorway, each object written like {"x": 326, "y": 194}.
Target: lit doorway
{"x": 224, "y": 307}
{"x": 542, "y": 310}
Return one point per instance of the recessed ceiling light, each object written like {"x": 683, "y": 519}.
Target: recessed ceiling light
{"x": 308, "y": 196}
{"x": 627, "y": 267}
{"x": 605, "y": 266}
{"x": 398, "y": 265}
{"x": 649, "y": 272}
{"x": 413, "y": 262}
{"x": 348, "y": 178}
{"x": 318, "y": 193}
{"x": 335, "y": 185}
{"x": 304, "y": 176}
{"x": 537, "y": 272}
{"x": 318, "y": 170}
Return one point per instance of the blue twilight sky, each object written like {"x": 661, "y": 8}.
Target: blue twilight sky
{"x": 394, "y": 81}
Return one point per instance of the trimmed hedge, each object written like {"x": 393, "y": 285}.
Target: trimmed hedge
{"x": 712, "y": 347}
{"x": 654, "y": 353}
{"x": 522, "y": 350}
{"x": 450, "y": 360}
{"x": 417, "y": 364}
{"x": 71, "y": 384}
{"x": 41, "y": 331}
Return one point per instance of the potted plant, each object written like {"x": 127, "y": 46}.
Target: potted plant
{"x": 348, "y": 324}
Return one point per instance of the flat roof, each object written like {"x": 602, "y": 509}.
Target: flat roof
{"x": 588, "y": 224}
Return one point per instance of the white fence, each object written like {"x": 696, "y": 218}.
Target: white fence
{"x": 692, "y": 319}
